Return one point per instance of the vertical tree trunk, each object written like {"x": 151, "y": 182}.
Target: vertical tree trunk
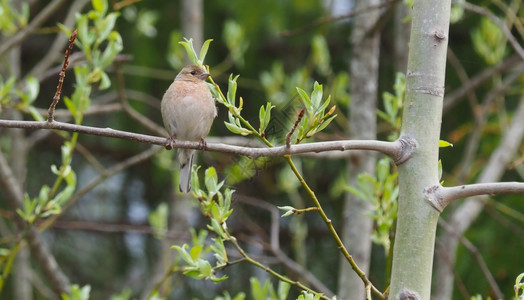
{"x": 417, "y": 220}
{"x": 193, "y": 21}
{"x": 22, "y": 288}
{"x": 357, "y": 226}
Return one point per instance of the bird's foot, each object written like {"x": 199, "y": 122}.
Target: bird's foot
{"x": 170, "y": 142}
{"x": 203, "y": 144}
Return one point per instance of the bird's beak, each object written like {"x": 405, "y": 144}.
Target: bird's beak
{"x": 204, "y": 76}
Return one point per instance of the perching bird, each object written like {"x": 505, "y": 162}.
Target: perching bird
{"x": 188, "y": 110}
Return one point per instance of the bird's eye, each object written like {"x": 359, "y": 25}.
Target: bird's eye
{"x": 193, "y": 72}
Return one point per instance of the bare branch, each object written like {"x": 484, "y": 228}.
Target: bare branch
{"x": 54, "y": 51}
{"x": 400, "y": 150}
{"x": 452, "y": 98}
{"x": 478, "y": 257}
{"x": 130, "y": 111}
{"x": 275, "y": 245}
{"x": 439, "y": 197}
{"x": 485, "y": 12}
{"x": 35, "y": 23}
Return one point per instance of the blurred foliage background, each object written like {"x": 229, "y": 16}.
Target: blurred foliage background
{"x": 107, "y": 239}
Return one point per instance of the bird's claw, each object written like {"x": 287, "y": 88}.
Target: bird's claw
{"x": 170, "y": 142}
{"x": 203, "y": 144}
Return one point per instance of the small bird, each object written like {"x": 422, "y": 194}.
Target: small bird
{"x": 188, "y": 110}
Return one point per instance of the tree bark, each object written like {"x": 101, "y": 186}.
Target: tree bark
{"x": 422, "y": 115}
{"x": 193, "y": 21}
{"x": 357, "y": 226}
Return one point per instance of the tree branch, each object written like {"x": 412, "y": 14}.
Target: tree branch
{"x": 399, "y": 150}
{"x": 439, "y": 197}
{"x": 37, "y": 21}
{"x": 478, "y": 257}
{"x": 485, "y": 12}
{"x": 55, "y": 49}
{"x": 452, "y": 98}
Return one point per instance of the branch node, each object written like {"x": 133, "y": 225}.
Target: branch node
{"x": 439, "y": 35}
{"x": 434, "y": 197}
{"x": 407, "y": 146}
{"x": 61, "y": 76}
{"x": 406, "y": 294}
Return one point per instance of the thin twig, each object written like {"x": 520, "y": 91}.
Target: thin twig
{"x": 485, "y": 12}
{"x": 452, "y": 98}
{"x": 290, "y": 133}
{"x": 130, "y": 111}
{"x": 275, "y": 245}
{"x": 478, "y": 257}
{"x": 250, "y": 260}
{"x": 44, "y": 14}
{"x": 56, "y": 98}
{"x": 54, "y": 51}
{"x": 367, "y": 283}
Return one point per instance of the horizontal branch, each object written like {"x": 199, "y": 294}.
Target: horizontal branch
{"x": 399, "y": 150}
{"x": 439, "y": 197}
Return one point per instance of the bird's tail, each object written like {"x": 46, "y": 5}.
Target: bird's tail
{"x": 185, "y": 158}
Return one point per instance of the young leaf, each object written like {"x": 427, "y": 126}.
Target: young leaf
{"x": 316, "y": 95}
{"x": 305, "y": 100}
{"x": 99, "y": 5}
{"x": 232, "y": 90}
{"x": 188, "y": 45}
{"x": 444, "y": 144}
{"x": 203, "y": 51}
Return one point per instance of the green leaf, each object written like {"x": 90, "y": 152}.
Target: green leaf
{"x": 325, "y": 123}
{"x": 444, "y": 144}
{"x": 203, "y": 51}
{"x": 195, "y": 252}
{"x": 107, "y": 26}
{"x": 289, "y": 210}
{"x": 114, "y": 47}
{"x": 264, "y": 116}
{"x": 238, "y": 130}
{"x": 316, "y": 95}
{"x": 100, "y": 5}
{"x": 439, "y": 170}
{"x": 105, "y": 82}
{"x": 183, "y": 254}
{"x": 232, "y": 90}
{"x": 188, "y": 45}
{"x": 211, "y": 180}
{"x": 215, "y": 227}
{"x": 305, "y": 100}
{"x": 382, "y": 169}
{"x": 158, "y": 219}
{"x": 32, "y": 87}
{"x": 283, "y": 290}
{"x": 35, "y": 114}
